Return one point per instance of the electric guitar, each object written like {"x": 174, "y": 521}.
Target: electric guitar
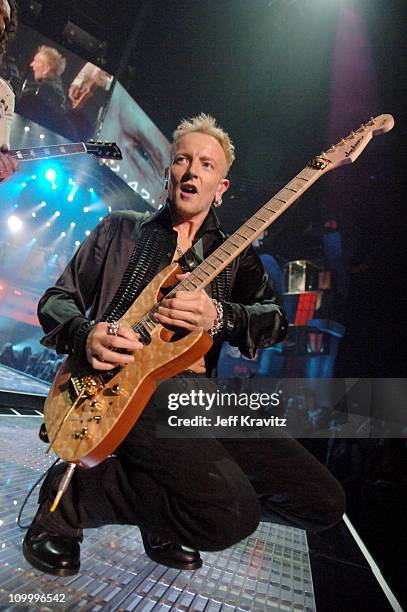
{"x": 99, "y": 150}
{"x": 88, "y": 413}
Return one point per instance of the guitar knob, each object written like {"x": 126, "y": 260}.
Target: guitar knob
{"x": 80, "y": 434}
{"x": 116, "y": 389}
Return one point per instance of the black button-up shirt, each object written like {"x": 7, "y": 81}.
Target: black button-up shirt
{"x": 92, "y": 278}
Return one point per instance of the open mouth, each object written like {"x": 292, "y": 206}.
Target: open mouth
{"x": 188, "y": 188}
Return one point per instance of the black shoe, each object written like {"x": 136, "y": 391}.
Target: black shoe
{"x": 166, "y": 552}
{"x": 49, "y": 552}
{"x": 52, "y": 554}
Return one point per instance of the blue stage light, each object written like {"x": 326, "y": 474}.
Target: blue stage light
{"x": 50, "y": 175}
{"x": 73, "y": 224}
{"x": 23, "y": 185}
{"x": 63, "y": 234}
{"x": 57, "y": 213}
{"x": 85, "y": 209}
{"x": 91, "y": 190}
{"x": 54, "y": 186}
{"x": 70, "y": 197}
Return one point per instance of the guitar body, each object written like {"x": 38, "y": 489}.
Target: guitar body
{"x": 86, "y": 433}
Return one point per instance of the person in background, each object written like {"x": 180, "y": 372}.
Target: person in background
{"x": 8, "y": 27}
{"x": 42, "y": 97}
{"x": 47, "y": 65}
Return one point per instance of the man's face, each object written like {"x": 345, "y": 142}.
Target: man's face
{"x": 197, "y": 175}
{"x": 40, "y": 66}
{"x": 4, "y": 15}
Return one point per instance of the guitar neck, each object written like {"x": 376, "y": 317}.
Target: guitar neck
{"x": 343, "y": 152}
{"x": 249, "y": 231}
{"x": 61, "y": 150}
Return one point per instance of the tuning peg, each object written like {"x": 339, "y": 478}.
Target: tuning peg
{"x": 372, "y": 121}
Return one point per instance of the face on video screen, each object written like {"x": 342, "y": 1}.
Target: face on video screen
{"x": 146, "y": 151}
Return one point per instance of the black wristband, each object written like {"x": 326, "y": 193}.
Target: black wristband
{"x": 228, "y": 320}
{"x": 80, "y": 338}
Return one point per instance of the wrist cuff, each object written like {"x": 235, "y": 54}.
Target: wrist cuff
{"x": 218, "y": 324}
{"x": 81, "y": 335}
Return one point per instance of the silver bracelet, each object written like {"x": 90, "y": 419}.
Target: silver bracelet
{"x": 218, "y": 325}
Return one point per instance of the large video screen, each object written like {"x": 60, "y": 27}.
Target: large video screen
{"x": 55, "y": 87}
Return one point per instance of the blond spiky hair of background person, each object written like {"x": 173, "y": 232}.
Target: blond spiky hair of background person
{"x": 56, "y": 61}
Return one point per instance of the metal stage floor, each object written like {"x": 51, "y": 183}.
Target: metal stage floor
{"x": 23, "y": 393}
{"x": 270, "y": 570}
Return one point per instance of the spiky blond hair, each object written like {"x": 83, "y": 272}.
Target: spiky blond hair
{"x": 207, "y": 125}
{"x": 56, "y": 61}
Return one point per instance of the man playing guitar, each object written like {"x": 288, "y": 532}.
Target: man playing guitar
{"x": 183, "y": 494}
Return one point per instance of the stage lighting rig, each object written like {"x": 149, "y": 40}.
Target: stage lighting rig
{"x": 80, "y": 39}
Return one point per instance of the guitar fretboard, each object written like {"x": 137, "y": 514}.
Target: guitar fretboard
{"x": 49, "y": 151}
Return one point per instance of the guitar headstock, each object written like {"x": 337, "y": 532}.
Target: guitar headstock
{"x": 348, "y": 149}
{"x": 103, "y": 150}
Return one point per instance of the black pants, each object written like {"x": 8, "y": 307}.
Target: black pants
{"x": 205, "y": 493}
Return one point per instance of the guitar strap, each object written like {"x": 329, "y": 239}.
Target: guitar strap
{"x": 144, "y": 264}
